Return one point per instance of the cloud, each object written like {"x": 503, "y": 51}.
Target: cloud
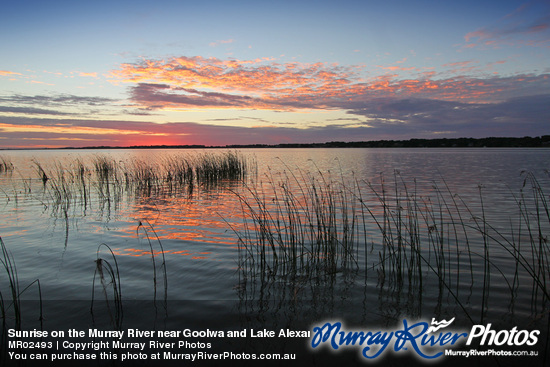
{"x": 60, "y": 104}
{"x": 459, "y": 64}
{"x": 523, "y": 27}
{"x": 387, "y": 106}
{"x": 56, "y": 100}
{"x": 138, "y": 112}
{"x": 506, "y": 32}
{"x": 31, "y": 111}
{"x": 221, "y": 42}
{"x": 156, "y": 96}
{"x": 384, "y": 118}
{"x": 397, "y": 68}
{"x": 29, "y": 132}
{"x": 92, "y": 75}
{"x": 345, "y": 119}
{"x": 419, "y": 104}
{"x": 40, "y": 82}
{"x": 5, "y": 73}
{"x": 266, "y": 82}
{"x": 514, "y": 117}
{"x": 196, "y": 82}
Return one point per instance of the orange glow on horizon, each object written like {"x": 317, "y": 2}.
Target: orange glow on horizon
{"x": 71, "y": 129}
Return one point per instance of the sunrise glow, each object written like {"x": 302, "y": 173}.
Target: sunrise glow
{"x": 351, "y": 71}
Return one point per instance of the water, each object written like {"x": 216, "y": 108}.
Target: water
{"x": 177, "y": 259}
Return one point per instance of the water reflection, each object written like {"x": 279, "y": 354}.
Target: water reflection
{"x": 296, "y": 242}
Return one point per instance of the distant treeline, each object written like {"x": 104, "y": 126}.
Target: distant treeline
{"x": 493, "y": 142}
{"x": 525, "y": 142}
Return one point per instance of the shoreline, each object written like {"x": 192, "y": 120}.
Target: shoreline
{"x": 491, "y": 142}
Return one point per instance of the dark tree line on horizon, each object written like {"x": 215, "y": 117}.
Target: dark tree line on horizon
{"x": 491, "y": 142}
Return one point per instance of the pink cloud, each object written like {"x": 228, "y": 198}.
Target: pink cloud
{"x": 381, "y": 118}
{"x": 460, "y": 63}
{"x": 268, "y": 83}
{"x": 397, "y": 68}
{"x": 93, "y": 75}
{"x": 524, "y": 26}
{"x": 196, "y": 82}
{"x": 6, "y": 73}
{"x": 221, "y": 42}
{"x": 39, "y": 82}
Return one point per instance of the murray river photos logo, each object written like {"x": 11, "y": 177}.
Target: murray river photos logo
{"x": 425, "y": 340}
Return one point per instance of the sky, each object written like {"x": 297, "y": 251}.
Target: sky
{"x": 123, "y": 73}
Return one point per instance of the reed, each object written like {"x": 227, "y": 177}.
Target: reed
{"x": 105, "y": 168}
{"x": 446, "y": 228}
{"x": 109, "y": 279}
{"x": 182, "y": 174}
{"x": 10, "y": 306}
{"x": 81, "y": 173}
{"x": 5, "y": 165}
{"x": 147, "y": 229}
{"x": 41, "y": 173}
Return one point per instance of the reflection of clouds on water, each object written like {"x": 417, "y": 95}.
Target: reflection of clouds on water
{"x": 371, "y": 234}
{"x": 147, "y": 253}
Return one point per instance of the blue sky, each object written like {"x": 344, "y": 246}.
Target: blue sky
{"x": 216, "y": 72}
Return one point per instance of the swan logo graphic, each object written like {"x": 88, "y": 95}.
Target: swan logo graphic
{"x": 439, "y": 325}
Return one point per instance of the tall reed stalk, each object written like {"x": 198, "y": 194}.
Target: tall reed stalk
{"x": 146, "y": 231}
{"x": 109, "y": 278}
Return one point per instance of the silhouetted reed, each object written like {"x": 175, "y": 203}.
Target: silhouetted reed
{"x": 146, "y": 230}
{"x": 109, "y": 278}
{"x": 10, "y": 305}
{"x": 213, "y": 168}
{"x": 41, "y": 173}
{"x": 5, "y": 165}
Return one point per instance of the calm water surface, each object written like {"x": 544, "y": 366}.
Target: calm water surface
{"x": 191, "y": 239}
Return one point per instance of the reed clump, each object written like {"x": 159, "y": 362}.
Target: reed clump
{"x": 182, "y": 174}
{"x": 213, "y": 168}
{"x": 302, "y": 228}
{"x": 104, "y": 179}
{"x": 316, "y": 225}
